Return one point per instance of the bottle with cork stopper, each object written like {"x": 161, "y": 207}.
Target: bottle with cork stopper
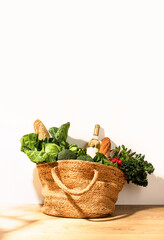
{"x": 93, "y": 145}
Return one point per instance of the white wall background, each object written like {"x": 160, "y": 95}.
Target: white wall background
{"x": 85, "y": 62}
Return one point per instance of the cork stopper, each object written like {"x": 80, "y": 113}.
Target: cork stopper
{"x": 96, "y": 130}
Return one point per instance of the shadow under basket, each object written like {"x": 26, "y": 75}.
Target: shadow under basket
{"x": 79, "y": 189}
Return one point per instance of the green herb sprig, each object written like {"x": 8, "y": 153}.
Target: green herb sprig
{"x": 133, "y": 165}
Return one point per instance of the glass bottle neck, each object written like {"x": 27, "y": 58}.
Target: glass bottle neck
{"x": 95, "y": 137}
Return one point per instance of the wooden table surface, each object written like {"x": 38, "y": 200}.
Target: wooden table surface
{"x": 27, "y": 222}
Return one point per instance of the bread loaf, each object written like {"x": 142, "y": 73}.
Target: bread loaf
{"x": 105, "y": 147}
{"x": 40, "y": 129}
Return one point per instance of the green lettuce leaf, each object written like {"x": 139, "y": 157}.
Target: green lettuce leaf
{"x": 29, "y": 141}
{"x": 47, "y": 149}
{"x": 52, "y": 148}
{"x": 40, "y": 156}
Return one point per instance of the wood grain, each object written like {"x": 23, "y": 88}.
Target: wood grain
{"x": 128, "y": 222}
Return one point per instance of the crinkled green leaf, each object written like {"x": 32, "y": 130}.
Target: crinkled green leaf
{"x": 29, "y": 141}
{"x": 40, "y": 157}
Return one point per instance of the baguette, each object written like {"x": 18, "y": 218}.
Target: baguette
{"x": 40, "y": 129}
{"x": 105, "y": 147}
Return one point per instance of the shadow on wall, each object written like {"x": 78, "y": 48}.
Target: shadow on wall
{"x": 152, "y": 194}
{"x": 80, "y": 143}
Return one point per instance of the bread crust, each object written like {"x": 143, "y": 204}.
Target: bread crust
{"x": 105, "y": 147}
{"x": 40, "y": 129}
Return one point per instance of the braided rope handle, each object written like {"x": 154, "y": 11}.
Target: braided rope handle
{"x": 73, "y": 191}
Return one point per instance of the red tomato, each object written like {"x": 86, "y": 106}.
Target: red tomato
{"x": 119, "y": 161}
{"x": 113, "y": 160}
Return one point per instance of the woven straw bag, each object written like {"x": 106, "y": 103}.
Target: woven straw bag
{"x": 79, "y": 189}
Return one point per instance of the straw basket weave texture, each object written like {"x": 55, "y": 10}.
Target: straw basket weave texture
{"x": 79, "y": 189}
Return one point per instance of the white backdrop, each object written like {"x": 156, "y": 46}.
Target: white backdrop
{"x": 85, "y": 62}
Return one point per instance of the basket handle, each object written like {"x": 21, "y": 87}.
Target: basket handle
{"x": 73, "y": 191}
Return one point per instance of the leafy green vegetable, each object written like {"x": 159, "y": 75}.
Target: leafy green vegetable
{"x": 47, "y": 149}
{"x": 79, "y": 151}
{"x": 48, "y": 140}
{"x": 85, "y": 158}
{"x": 122, "y": 154}
{"x": 73, "y": 148}
{"x": 134, "y": 166}
{"x": 66, "y": 154}
{"x": 29, "y": 141}
{"x": 40, "y": 157}
{"x": 52, "y": 148}
{"x": 64, "y": 145}
{"x": 38, "y": 151}
{"x": 53, "y": 131}
{"x": 61, "y": 133}
{"x": 101, "y": 158}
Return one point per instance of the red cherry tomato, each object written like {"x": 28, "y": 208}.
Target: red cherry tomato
{"x": 110, "y": 159}
{"x": 119, "y": 161}
{"x": 113, "y": 160}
